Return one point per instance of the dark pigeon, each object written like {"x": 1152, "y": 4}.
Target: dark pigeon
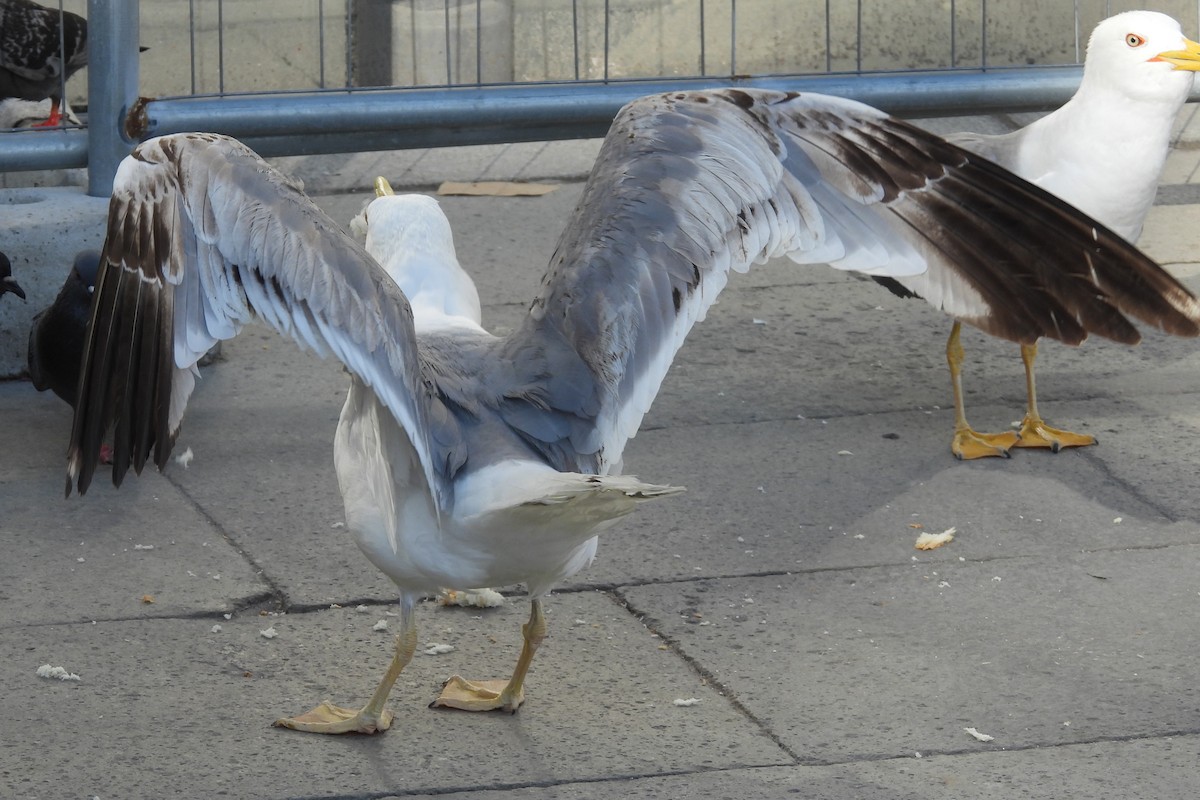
{"x": 56, "y": 336}
{"x": 34, "y": 59}
{"x": 7, "y": 282}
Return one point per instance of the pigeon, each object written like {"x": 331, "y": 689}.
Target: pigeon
{"x": 40, "y": 49}
{"x": 7, "y": 282}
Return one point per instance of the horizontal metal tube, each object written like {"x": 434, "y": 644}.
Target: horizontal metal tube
{"x": 436, "y": 117}
{"x": 43, "y": 149}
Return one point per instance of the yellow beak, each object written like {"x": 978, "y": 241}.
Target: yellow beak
{"x": 383, "y": 188}
{"x": 1188, "y": 58}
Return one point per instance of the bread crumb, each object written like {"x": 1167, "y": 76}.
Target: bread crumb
{"x": 269, "y": 633}
{"x": 930, "y": 541}
{"x": 185, "y": 458}
{"x": 47, "y": 671}
{"x": 474, "y": 598}
{"x": 691, "y": 701}
{"x": 380, "y": 626}
{"x": 437, "y": 649}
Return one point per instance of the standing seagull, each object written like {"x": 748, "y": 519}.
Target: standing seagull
{"x": 7, "y": 282}
{"x": 1102, "y": 152}
{"x": 38, "y": 54}
{"x": 466, "y": 459}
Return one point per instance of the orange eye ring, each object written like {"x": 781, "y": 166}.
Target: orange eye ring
{"x": 1133, "y": 40}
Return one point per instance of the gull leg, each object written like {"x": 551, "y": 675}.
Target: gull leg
{"x": 488, "y": 695}
{"x": 968, "y": 443}
{"x": 1034, "y": 430}
{"x": 373, "y": 717}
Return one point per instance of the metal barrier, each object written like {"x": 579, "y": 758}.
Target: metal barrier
{"x": 294, "y": 77}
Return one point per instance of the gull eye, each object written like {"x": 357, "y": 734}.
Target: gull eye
{"x": 1133, "y": 40}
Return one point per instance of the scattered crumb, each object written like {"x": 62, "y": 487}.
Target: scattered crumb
{"x": 757, "y": 321}
{"x": 143, "y": 547}
{"x": 361, "y": 609}
{"x": 185, "y": 458}
{"x": 148, "y": 599}
{"x": 338, "y": 525}
{"x": 437, "y": 649}
{"x": 917, "y": 754}
{"x": 228, "y": 616}
{"x": 1116, "y": 520}
{"x": 476, "y": 598}
{"x": 269, "y": 633}
{"x": 216, "y": 628}
{"x": 916, "y": 525}
{"x": 691, "y": 701}
{"x": 845, "y": 453}
{"x": 381, "y": 625}
{"x": 47, "y": 671}
{"x": 983, "y": 737}
{"x": 930, "y": 541}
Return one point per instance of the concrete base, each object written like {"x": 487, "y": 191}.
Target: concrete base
{"x": 43, "y": 230}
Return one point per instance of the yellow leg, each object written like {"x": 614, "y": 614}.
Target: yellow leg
{"x": 489, "y": 695}
{"x": 1034, "y": 430}
{"x": 373, "y": 717}
{"x": 967, "y": 443}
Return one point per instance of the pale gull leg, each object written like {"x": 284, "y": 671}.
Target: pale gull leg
{"x": 373, "y": 717}
{"x": 968, "y": 443}
{"x": 1034, "y": 430}
{"x": 489, "y": 695}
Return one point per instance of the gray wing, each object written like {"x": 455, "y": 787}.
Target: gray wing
{"x": 689, "y": 186}
{"x": 204, "y": 236}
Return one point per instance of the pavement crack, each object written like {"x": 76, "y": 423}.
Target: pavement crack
{"x": 706, "y": 674}
{"x": 276, "y": 593}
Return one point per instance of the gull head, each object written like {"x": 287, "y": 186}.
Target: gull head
{"x": 1144, "y": 55}
{"x": 410, "y": 236}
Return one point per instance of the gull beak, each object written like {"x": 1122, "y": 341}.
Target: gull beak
{"x": 384, "y": 189}
{"x": 1188, "y": 58}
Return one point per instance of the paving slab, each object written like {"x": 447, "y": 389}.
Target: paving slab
{"x": 876, "y": 663}
{"x": 174, "y": 708}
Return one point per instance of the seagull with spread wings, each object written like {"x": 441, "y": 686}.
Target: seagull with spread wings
{"x": 467, "y": 459}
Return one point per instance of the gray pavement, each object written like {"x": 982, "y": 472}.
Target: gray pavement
{"x": 830, "y": 658}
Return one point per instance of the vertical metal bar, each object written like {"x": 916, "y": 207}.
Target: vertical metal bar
{"x": 321, "y": 42}
{"x": 1076, "y": 4}
{"x": 606, "y": 9}
{"x": 221, "y": 46}
{"x": 983, "y": 53}
{"x": 828, "y": 38}
{"x": 62, "y": 53}
{"x": 733, "y": 37}
{"x": 858, "y": 37}
{"x": 449, "y": 64}
{"x": 112, "y": 87}
{"x": 703, "y": 64}
{"x": 953, "y": 38}
{"x": 349, "y": 37}
{"x": 192, "y": 39}
{"x": 479, "y": 42}
{"x": 575, "y": 34}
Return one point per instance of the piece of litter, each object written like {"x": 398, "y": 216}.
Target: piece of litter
{"x": 47, "y": 671}
{"x": 930, "y": 541}
{"x": 437, "y": 649}
{"x": 216, "y": 628}
{"x": 845, "y": 453}
{"x": 185, "y": 458}
{"x": 227, "y": 616}
{"x": 80, "y": 559}
{"x": 917, "y": 754}
{"x": 996, "y": 578}
{"x": 691, "y": 701}
{"x": 269, "y": 633}
{"x": 759, "y": 321}
{"x": 338, "y": 525}
{"x": 470, "y": 598}
{"x": 983, "y": 737}
{"x": 1116, "y": 520}
{"x": 495, "y": 188}
{"x": 380, "y": 626}
{"x": 143, "y": 547}
{"x": 361, "y": 609}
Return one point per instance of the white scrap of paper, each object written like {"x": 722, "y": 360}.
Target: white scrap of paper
{"x": 691, "y": 701}
{"x": 983, "y": 737}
